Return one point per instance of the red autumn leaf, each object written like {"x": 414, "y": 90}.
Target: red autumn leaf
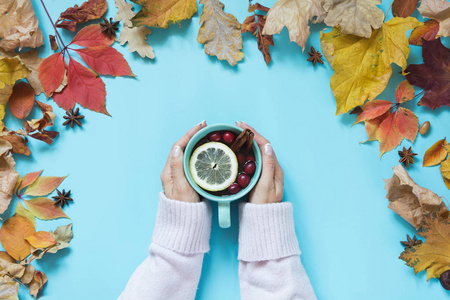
{"x": 105, "y": 61}
{"x": 407, "y": 123}
{"x": 51, "y": 72}
{"x": 21, "y": 100}
{"x": 404, "y": 92}
{"x": 89, "y": 88}
{"x": 64, "y": 99}
{"x": 388, "y": 135}
{"x": 404, "y": 8}
{"x": 372, "y": 126}
{"x": 45, "y": 209}
{"x": 29, "y": 179}
{"x": 433, "y": 75}
{"x": 92, "y": 36}
{"x": 89, "y": 10}
{"x": 427, "y": 31}
{"x": 373, "y": 109}
{"x": 44, "y": 185}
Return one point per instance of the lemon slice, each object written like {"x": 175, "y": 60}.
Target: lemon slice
{"x": 213, "y": 166}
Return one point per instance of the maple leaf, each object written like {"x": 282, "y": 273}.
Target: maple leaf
{"x": 220, "y": 32}
{"x": 13, "y": 234}
{"x": 434, "y": 254}
{"x": 20, "y": 26}
{"x": 433, "y": 75}
{"x": 435, "y": 154}
{"x": 162, "y": 13}
{"x": 438, "y": 10}
{"x": 136, "y": 37}
{"x": 354, "y": 17}
{"x": 427, "y": 31}
{"x": 255, "y": 25}
{"x": 403, "y": 8}
{"x": 411, "y": 201}
{"x": 295, "y": 15}
{"x": 367, "y": 73}
{"x": 89, "y": 10}
{"x": 8, "y": 175}
{"x": 22, "y": 100}
{"x": 389, "y": 128}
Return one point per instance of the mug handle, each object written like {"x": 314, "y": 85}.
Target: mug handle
{"x": 224, "y": 214}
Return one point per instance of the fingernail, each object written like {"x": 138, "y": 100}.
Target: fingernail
{"x": 268, "y": 149}
{"x": 202, "y": 123}
{"x": 238, "y": 123}
{"x": 176, "y": 151}
{"x": 243, "y": 122}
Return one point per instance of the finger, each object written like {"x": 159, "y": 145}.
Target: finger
{"x": 279, "y": 173}
{"x": 185, "y": 139}
{"x": 268, "y": 165}
{"x": 176, "y": 165}
{"x": 260, "y": 140}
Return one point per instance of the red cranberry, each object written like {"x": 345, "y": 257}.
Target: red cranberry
{"x": 250, "y": 157}
{"x": 240, "y": 158}
{"x": 215, "y": 136}
{"x": 243, "y": 180}
{"x": 228, "y": 137}
{"x": 250, "y": 167}
{"x": 234, "y": 189}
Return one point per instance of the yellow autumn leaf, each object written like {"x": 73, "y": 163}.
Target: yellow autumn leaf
{"x": 162, "y": 13}
{"x": 362, "y": 67}
{"x": 11, "y": 70}
{"x": 41, "y": 239}
{"x": 435, "y": 154}
{"x": 434, "y": 254}
{"x": 445, "y": 169}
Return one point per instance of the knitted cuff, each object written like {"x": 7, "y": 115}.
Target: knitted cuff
{"x": 266, "y": 231}
{"x": 181, "y": 226}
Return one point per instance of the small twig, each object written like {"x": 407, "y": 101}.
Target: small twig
{"x": 53, "y": 24}
{"x": 390, "y": 6}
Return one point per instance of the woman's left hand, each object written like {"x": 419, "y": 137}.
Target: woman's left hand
{"x": 174, "y": 182}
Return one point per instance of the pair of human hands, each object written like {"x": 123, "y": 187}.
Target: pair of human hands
{"x": 269, "y": 188}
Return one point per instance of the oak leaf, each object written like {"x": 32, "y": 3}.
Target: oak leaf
{"x": 435, "y": 154}
{"x": 162, "y": 13}
{"x": 403, "y": 8}
{"x": 367, "y": 73}
{"x": 427, "y": 31}
{"x": 220, "y": 32}
{"x": 354, "y": 17}
{"x": 89, "y": 10}
{"x": 13, "y": 234}
{"x": 22, "y": 100}
{"x": 41, "y": 239}
{"x": 45, "y": 209}
{"x": 434, "y": 254}
{"x": 409, "y": 200}
{"x": 438, "y": 10}
{"x": 8, "y": 175}
{"x": 433, "y": 75}
{"x": 295, "y": 15}
{"x": 20, "y": 26}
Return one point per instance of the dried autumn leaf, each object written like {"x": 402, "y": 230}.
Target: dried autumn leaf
{"x": 295, "y": 15}
{"x": 43, "y": 185}
{"x": 220, "y": 32}
{"x": 162, "y": 13}
{"x": 105, "y": 61}
{"x": 403, "y": 8}
{"x": 37, "y": 283}
{"x": 8, "y": 175}
{"x": 89, "y": 10}
{"x": 136, "y": 38}
{"x": 124, "y": 13}
{"x": 45, "y": 209}
{"x": 354, "y": 17}
{"x": 11, "y": 70}
{"x": 22, "y": 100}
{"x": 427, "y": 31}
{"x": 367, "y": 73}
{"x": 41, "y": 239}
{"x": 433, "y": 254}
{"x": 435, "y": 154}
{"x": 438, "y": 10}
{"x": 21, "y": 210}
{"x": 409, "y": 200}
{"x": 62, "y": 235}
{"x": 17, "y": 142}
{"x": 13, "y": 234}
{"x": 29, "y": 179}
{"x": 9, "y": 289}
{"x": 433, "y": 75}
{"x": 20, "y": 26}
{"x": 445, "y": 169}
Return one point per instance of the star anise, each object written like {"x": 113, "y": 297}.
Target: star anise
{"x": 406, "y": 156}
{"x": 73, "y": 117}
{"x": 109, "y": 28}
{"x": 411, "y": 242}
{"x": 62, "y": 198}
{"x": 315, "y": 56}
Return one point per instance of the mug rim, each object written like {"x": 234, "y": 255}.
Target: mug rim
{"x": 187, "y": 155}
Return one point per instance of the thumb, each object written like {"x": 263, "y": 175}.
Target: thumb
{"x": 268, "y": 167}
{"x": 176, "y": 164}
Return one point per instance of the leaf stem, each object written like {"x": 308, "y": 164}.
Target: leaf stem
{"x": 389, "y": 8}
{"x": 53, "y": 24}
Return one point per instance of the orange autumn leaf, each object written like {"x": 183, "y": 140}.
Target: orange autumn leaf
{"x": 435, "y": 154}
{"x": 404, "y": 92}
{"x": 41, "y": 239}
{"x": 427, "y": 31}
{"x": 44, "y": 185}
{"x": 13, "y": 234}
{"x": 45, "y": 209}
{"x": 374, "y": 109}
{"x": 21, "y": 100}
{"x": 29, "y": 179}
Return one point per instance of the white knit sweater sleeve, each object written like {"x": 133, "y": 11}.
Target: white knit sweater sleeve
{"x": 180, "y": 239}
{"x": 269, "y": 255}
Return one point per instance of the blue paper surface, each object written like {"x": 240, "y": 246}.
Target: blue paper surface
{"x": 348, "y": 237}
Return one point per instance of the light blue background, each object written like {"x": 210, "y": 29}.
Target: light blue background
{"x": 348, "y": 236}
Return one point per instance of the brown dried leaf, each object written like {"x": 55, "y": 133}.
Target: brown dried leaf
{"x": 136, "y": 37}
{"x": 438, "y": 10}
{"x": 89, "y": 10}
{"x": 8, "y": 175}
{"x": 37, "y": 283}
{"x": 404, "y": 8}
{"x": 20, "y": 26}
{"x": 220, "y": 32}
{"x": 21, "y": 100}
{"x": 409, "y": 200}
{"x": 19, "y": 144}
{"x": 9, "y": 289}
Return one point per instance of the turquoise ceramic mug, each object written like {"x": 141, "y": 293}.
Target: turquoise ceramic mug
{"x": 223, "y": 201}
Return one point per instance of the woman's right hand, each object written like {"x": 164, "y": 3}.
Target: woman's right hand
{"x": 270, "y": 186}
